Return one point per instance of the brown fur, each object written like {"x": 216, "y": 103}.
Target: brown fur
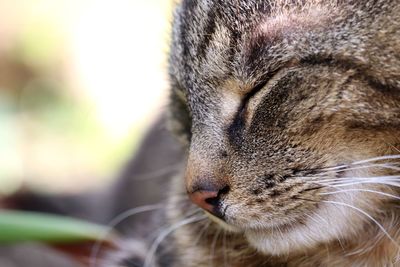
{"x": 276, "y": 91}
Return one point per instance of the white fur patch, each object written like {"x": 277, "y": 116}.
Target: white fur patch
{"x": 330, "y": 222}
{"x": 230, "y": 103}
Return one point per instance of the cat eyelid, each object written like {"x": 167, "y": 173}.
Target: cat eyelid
{"x": 241, "y": 118}
{"x": 258, "y": 87}
{"x": 255, "y": 90}
{"x": 240, "y": 115}
{"x": 238, "y": 122}
{"x": 264, "y": 80}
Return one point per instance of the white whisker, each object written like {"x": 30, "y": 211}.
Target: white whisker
{"x": 376, "y": 159}
{"x": 393, "y": 178}
{"x": 157, "y": 173}
{"x": 202, "y": 231}
{"x": 225, "y": 250}
{"x": 306, "y": 177}
{"x": 387, "y": 177}
{"x": 365, "y": 214}
{"x": 343, "y": 166}
{"x": 383, "y": 166}
{"x": 387, "y": 183}
{"x": 335, "y": 167}
{"x": 361, "y": 190}
{"x": 213, "y": 246}
{"x": 151, "y": 253}
{"x": 186, "y": 214}
{"x": 117, "y": 220}
{"x": 356, "y": 252}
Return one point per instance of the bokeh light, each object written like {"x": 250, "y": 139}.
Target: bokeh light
{"x": 79, "y": 83}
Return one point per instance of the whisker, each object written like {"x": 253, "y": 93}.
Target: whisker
{"x": 333, "y": 181}
{"x": 163, "y": 201}
{"x": 376, "y": 159}
{"x": 225, "y": 250}
{"x": 315, "y": 220}
{"x": 306, "y": 199}
{"x": 185, "y": 215}
{"x": 358, "y": 179}
{"x": 365, "y": 214}
{"x": 202, "y": 231}
{"x": 361, "y": 190}
{"x": 384, "y": 166}
{"x": 357, "y": 252}
{"x": 188, "y": 214}
{"x": 113, "y": 223}
{"x": 338, "y": 167}
{"x": 213, "y": 246}
{"x": 312, "y": 179}
{"x": 319, "y": 216}
{"x": 150, "y": 255}
{"x": 342, "y": 166}
{"x": 157, "y": 173}
{"x": 364, "y": 182}
{"x": 393, "y": 147}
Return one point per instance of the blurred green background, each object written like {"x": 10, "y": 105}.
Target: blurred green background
{"x": 80, "y": 80}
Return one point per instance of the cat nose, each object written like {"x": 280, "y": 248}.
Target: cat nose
{"x": 209, "y": 198}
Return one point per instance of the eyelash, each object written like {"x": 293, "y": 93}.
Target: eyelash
{"x": 259, "y": 86}
{"x": 238, "y": 122}
{"x": 254, "y": 91}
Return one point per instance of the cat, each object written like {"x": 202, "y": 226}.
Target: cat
{"x": 288, "y": 113}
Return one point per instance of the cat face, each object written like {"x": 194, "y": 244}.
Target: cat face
{"x": 287, "y": 116}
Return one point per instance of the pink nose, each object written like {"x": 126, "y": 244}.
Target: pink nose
{"x": 207, "y": 200}
{"x": 208, "y": 197}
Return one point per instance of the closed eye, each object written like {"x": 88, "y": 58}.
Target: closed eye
{"x": 254, "y": 91}
{"x": 263, "y": 81}
{"x": 238, "y": 125}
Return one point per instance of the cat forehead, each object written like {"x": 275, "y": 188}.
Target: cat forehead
{"x": 215, "y": 41}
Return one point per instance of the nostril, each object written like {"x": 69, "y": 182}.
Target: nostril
{"x": 215, "y": 200}
{"x": 224, "y": 190}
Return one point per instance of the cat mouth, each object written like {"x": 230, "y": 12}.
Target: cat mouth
{"x": 267, "y": 224}
{"x": 222, "y": 223}
{"x": 269, "y": 236}
{"x": 266, "y": 228}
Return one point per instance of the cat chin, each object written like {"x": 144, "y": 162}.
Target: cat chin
{"x": 327, "y": 224}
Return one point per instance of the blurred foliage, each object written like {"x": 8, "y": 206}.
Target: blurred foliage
{"x": 51, "y": 135}
{"x": 17, "y": 226}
